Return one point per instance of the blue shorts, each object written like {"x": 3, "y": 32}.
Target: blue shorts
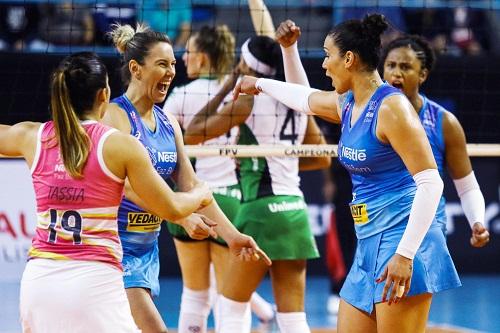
{"x": 141, "y": 267}
{"x": 433, "y": 268}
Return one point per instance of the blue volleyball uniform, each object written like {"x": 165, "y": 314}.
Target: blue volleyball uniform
{"x": 138, "y": 229}
{"x": 383, "y": 192}
{"x": 431, "y": 117}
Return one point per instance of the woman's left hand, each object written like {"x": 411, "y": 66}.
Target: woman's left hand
{"x": 397, "y": 274}
{"x": 245, "y": 248}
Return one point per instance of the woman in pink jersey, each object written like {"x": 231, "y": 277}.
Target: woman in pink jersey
{"x": 73, "y": 279}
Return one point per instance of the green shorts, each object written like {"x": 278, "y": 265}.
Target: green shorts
{"x": 229, "y": 200}
{"x": 280, "y": 225}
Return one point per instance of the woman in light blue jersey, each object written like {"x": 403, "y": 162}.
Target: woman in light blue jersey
{"x": 147, "y": 71}
{"x": 401, "y": 255}
{"x": 408, "y": 61}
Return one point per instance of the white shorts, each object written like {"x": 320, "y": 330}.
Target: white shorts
{"x": 74, "y": 296}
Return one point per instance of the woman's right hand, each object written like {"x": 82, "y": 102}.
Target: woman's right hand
{"x": 397, "y": 276}
{"x": 287, "y": 33}
{"x": 198, "y": 226}
{"x": 245, "y": 86}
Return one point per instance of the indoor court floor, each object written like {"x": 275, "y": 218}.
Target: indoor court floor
{"x": 475, "y": 307}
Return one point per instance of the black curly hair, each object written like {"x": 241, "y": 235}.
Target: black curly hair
{"x": 361, "y": 37}
{"x": 418, "y": 44}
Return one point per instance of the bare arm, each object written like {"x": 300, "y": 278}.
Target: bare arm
{"x": 460, "y": 169}
{"x": 125, "y": 156}
{"x": 398, "y": 125}
{"x": 208, "y": 123}
{"x": 184, "y": 33}
{"x": 185, "y": 177}
{"x": 457, "y": 159}
{"x": 313, "y": 136}
{"x": 117, "y": 118}
{"x": 19, "y": 140}
{"x": 261, "y": 18}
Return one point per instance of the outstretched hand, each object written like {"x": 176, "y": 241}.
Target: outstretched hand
{"x": 245, "y": 86}
{"x": 199, "y": 226}
{"x": 480, "y": 235}
{"x": 287, "y": 33}
{"x": 245, "y": 248}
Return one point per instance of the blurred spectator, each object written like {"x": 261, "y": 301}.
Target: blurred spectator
{"x": 394, "y": 14}
{"x": 494, "y": 23}
{"x": 469, "y": 32}
{"x": 18, "y": 26}
{"x": 172, "y": 17}
{"x": 107, "y": 13}
{"x": 66, "y": 23}
{"x": 454, "y": 30}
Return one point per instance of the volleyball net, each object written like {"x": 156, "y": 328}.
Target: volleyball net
{"x": 36, "y": 34}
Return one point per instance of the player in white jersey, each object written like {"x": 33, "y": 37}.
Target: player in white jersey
{"x": 273, "y": 209}
{"x": 209, "y": 56}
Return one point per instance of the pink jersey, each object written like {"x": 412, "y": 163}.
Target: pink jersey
{"x": 76, "y": 218}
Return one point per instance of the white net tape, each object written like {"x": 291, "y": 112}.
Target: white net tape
{"x": 476, "y": 150}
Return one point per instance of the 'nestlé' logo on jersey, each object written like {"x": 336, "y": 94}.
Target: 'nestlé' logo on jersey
{"x": 353, "y": 154}
{"x": 167, "y": 156}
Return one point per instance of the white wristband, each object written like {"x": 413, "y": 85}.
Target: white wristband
{"x": 295, "y": 96}
{"x": 423, "y": 210}
{"x": 471, "y": 198}
{"x": 294, "y": 71}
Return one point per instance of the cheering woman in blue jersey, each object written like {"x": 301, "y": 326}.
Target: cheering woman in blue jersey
{"x": 147, "y": 71}
{"x": 401, "y": 258}
{"x": 407, "y": 62}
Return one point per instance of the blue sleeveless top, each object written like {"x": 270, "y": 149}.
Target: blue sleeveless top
{"x": 383, "y": 189}
{"x": 431, "y": 117}
{"x": 136, "y": 227}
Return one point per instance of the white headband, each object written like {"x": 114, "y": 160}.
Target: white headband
{"x": 255, "y": 63}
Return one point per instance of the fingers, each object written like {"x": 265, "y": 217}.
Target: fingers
{"x": 480, "y": 238}
{"x": 407, "y": 287}
{"x": 203, "y": 228}
{"x": 237, "y": 90}
{"x": 383, "y": 276}
{"x": 261, "y": 255}
{"x": 386, "y": 289}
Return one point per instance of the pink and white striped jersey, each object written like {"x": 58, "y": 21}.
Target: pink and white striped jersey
{"x": 76, "y": 218}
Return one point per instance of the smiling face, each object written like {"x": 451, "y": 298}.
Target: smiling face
{"x": 158, "y": 71}
{"x": 403, "y": 70}
{"x": 335, "y": 66}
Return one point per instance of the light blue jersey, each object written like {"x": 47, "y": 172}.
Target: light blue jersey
{"x": 383, "y": 193}
{"x": 383, "y": 189}
{"x": 431, "y": 117}
{"x": 139, "y": 230}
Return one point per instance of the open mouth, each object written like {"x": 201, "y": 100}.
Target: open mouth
{"x": 397, "y": 85}
{"x": 163, "y": 87}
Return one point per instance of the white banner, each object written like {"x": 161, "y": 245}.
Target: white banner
{"x": 17, "y": 218}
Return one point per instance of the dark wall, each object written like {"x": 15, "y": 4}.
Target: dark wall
{"x": 467, "y": 86}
